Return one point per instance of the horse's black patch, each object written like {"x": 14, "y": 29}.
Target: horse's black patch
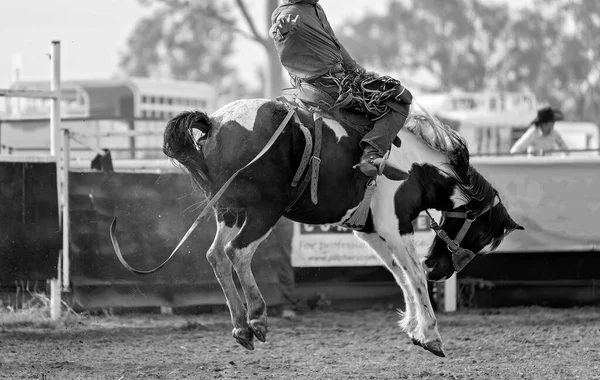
{"x": 425, "y": 188}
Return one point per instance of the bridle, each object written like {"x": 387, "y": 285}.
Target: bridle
{"x": 460, "y": 256}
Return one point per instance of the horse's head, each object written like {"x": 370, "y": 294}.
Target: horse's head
{"x": 464, "y": 232}
{"x": 473, "y": 216}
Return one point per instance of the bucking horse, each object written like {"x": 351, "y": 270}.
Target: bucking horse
{"x": 258, "y": 160}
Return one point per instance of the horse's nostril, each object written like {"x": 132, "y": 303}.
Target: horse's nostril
{"x": 429, "y": 262}
{"x": 429, "y": 266}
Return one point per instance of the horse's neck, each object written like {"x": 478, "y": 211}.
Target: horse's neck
{"x": 415, "y": 151}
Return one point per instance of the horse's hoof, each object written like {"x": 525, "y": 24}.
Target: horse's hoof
{"x": 244, "y": 337}
{"x": 259, "y": 328}
{"x": 416, "y": 342}
{"x": 435, "y": 347}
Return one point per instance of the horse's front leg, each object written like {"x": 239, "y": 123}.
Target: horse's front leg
{"x": 222, "y": 268}
{"x": 408, "y": 323}
{"x": 426, "y": 331}
{"x": 421, "y": 331}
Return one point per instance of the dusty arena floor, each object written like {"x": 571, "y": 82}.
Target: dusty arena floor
{"x": 523, "y": 343}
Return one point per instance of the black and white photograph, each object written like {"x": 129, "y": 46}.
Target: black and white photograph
{"x": 300, "y": 189}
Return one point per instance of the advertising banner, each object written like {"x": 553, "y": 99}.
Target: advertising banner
{"x": 334, "y": 246}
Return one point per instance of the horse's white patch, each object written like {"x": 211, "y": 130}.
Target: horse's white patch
{"x": 242, "y": 111}
{"x": 336, "y": 127}
{"x": 414, "y": 150}
{"x": 458, "y": 198}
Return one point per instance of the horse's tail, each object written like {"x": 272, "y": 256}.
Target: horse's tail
{"x": 180, "y": 144}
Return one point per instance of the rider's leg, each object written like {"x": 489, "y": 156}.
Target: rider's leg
{"x": 379, "y": 140}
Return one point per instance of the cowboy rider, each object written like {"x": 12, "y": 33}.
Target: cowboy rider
{"x": 311, "y": 53}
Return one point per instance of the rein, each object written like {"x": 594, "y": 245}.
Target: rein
{"x": 206, "y": 209}
{"x": 460, "y": 256}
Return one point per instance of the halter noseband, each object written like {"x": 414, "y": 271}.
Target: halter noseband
{"x": 460, "y": 256}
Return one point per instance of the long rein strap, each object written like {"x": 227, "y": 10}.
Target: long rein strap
{"x": 210, "y": 204}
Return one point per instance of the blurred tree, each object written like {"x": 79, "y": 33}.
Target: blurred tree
{"x": 553, "y": 49}
{"x": 452, "y": 40}
{"x": 192, "y": 40}
{"x": 180, "y": 40}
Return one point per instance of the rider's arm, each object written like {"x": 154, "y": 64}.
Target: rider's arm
{"x": 349, "y": 63}
{"x": 521, "y": 145}
{"x": 559, "y": 141}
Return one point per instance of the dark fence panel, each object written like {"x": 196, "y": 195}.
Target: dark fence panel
{"x": 30, "y": 237}
{"x": 154, "y": 211}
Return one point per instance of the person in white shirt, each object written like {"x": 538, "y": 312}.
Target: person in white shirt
{"x": 541, "y": 137}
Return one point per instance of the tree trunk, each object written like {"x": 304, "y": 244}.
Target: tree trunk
{"x": 274, "y": 74}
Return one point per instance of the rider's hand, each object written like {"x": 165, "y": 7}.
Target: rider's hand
{"x": 287, "y": 24}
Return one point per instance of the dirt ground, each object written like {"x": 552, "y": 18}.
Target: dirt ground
{"x": 516, "y": 343}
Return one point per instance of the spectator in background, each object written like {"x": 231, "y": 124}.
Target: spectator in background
{"x": 541, "y": 137}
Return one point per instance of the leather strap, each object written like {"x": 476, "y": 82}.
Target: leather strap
{"x": 306, "y": 155}
{"x": 316, "y": 159}
{"x": 315, "y": 165}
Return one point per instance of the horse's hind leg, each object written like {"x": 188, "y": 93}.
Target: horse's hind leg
{"x": 240, "y": 251}
{"x": 226, "y": 230}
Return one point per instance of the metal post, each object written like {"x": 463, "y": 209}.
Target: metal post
{"x": 66, "y": 227}
{"x": 55, "y": 107}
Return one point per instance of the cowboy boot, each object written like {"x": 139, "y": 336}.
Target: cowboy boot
{"x": 370, "y": 161}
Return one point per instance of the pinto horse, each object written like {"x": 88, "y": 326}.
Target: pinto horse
{"x": 440, "y": 177}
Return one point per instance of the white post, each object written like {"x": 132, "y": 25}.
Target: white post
{"x": 450, "y": 293}
{"x": 55, "y": 299}
{"x": 66, "y": 226}
{"x": 55, "y": 292}
{"x": 55, "y": 118}
{"x": 55, "y": 107}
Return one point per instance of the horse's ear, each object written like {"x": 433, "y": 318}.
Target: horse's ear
{"x": 514, "y": 226}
